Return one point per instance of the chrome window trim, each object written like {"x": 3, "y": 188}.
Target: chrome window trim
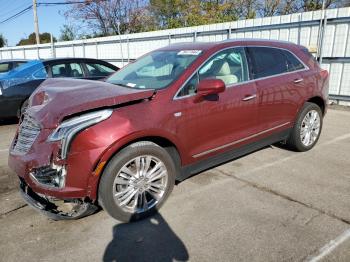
{"x": 238, "y": 141}
{"x": 243, "y": 82}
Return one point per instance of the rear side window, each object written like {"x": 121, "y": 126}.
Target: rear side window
{"x": 293, "y": 63}
{"x": 268, "y": 61}
{"x": 40, "y": 73}
{"x": 99, "y": 69}
{"x": 19, "y": 64}
{"x": 4, "y": 67}
{"x": 59, "y": 70}
{"x": 76, "y": 70}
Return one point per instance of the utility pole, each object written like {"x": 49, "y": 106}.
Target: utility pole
{"x": 36, "y": 24}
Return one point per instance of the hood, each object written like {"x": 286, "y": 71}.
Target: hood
{"x": 56, "y": 99}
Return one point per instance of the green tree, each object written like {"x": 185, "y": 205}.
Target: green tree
{"x": 68, "y": 33}
{"x": 3, "y": 41}
{"x": 44, "y": 38}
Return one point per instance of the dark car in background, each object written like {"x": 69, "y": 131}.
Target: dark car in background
{"x": 7, "y": 65}
{"x": 17, "y": 85}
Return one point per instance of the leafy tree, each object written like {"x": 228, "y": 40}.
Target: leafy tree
{"x": 130, "y": 16}
{"x": 106, "y": 17}
{"x": 3, "y": 41}
{"x": 68, "y": 33}
{"x": 31, "y": 40}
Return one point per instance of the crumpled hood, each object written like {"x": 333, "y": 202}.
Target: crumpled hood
{"x": 58, "y": 98}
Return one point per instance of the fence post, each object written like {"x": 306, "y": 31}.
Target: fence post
{"x": 128, "y": 48}
{"x": 121, "y": 50}
{"x": 53, "y": 52}
{"x": 0, "y": 54}
{"x": 11, "y": 54}
{"x": 96, "y": 49}
{"x": 24, "y": 53}
{"x": 73, "y": 49}
{"x": 195, "y": 36}
{"x": 169, "y": 38}
{"x": 83, "y": 44}
{"x": 322, "y": 39}
{"x": 37, "y": 51}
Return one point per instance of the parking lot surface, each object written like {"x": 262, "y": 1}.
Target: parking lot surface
{"x": 271, "y": 205}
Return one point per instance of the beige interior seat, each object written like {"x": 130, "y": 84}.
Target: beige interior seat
{"x": 225, "y": 75}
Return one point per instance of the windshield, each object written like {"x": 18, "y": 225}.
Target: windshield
{"x": 156, "y": 70}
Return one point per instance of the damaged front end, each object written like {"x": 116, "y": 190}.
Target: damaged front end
{"x": 39, "y": 157}
{"x": 56, "y": 209}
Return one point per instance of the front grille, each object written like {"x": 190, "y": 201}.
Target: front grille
{"x": 28, "y": 131}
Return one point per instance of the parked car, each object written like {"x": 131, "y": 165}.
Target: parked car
{"x": 7, "y": 65}
{"x": 122, "y": 144}
{"x": 20, "y": 83}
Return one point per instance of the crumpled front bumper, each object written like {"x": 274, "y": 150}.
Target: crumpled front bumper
{"x": 42, "y": 154}
{"x": 47, "y": 206}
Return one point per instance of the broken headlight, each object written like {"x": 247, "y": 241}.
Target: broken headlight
{"x": 66, "y": 131}
{"x": 50, "y": 176}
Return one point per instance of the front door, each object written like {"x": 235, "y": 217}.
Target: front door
{"x": 220, "y": 122}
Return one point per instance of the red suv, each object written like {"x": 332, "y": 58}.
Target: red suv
{"x": 122, "y": 144}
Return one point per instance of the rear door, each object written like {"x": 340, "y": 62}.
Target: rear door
{"x": 277, "y": 74}
{"x": 221, "y": 122}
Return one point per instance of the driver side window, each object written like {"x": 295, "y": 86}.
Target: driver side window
{"x": 228, "y": 65}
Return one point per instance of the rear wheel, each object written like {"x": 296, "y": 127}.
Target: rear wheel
{"x": 137, "y": 181}
{"x": 307, "y": 128}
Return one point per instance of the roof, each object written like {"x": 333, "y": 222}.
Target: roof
{"x": 70, "y": 58}
{"x": 13, "y": 60}
{"x": 238, "y": 41}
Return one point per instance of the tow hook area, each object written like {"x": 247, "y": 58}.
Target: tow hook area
{"x": 54, "y": 208}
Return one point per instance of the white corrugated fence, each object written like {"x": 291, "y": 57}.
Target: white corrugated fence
{"x": 329, "y": 30}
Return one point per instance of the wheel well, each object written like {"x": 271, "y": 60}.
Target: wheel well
{"x": 318, "y": 101}
{"x": 161, "y": 141}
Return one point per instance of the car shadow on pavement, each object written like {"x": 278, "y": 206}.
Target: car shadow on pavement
{"x": 150, "y": 239}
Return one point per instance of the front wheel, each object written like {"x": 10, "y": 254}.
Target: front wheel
{"x": 307, "y": 128}
{"x": 137, "y": 181}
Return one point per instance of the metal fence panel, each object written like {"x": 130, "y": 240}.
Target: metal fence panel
{"x": 300, "y": 28}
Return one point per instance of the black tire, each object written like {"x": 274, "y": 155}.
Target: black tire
{"x": 294, "y": 141}
{"x": 105, "y": 190}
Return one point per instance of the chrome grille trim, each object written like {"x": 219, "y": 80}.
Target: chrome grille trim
{"x": 29, "y": 130}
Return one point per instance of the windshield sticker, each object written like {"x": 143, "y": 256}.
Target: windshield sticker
{"x": 131, "y": 84}
{"x": 189, "y": 52}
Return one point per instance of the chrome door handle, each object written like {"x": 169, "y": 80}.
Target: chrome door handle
{"x": 296, "y": 81}
{"x": 247, "y": 98}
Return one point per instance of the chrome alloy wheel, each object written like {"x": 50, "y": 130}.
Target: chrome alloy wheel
{"x": 140, "y": 184}
{"x": 310, "y": 128}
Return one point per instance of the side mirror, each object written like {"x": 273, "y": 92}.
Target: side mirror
{"x": 210, "y": 86}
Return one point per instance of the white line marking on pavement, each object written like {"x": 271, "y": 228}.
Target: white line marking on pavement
{"x": 333, "y": 244}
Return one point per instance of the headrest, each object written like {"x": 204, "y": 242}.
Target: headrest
{"x": 224, "y": 70}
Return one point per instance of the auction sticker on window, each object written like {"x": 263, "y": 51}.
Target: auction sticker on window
{"x": 189, "y": 52}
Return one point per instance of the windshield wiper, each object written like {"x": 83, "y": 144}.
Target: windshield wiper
{"x": 120, "y": 84}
